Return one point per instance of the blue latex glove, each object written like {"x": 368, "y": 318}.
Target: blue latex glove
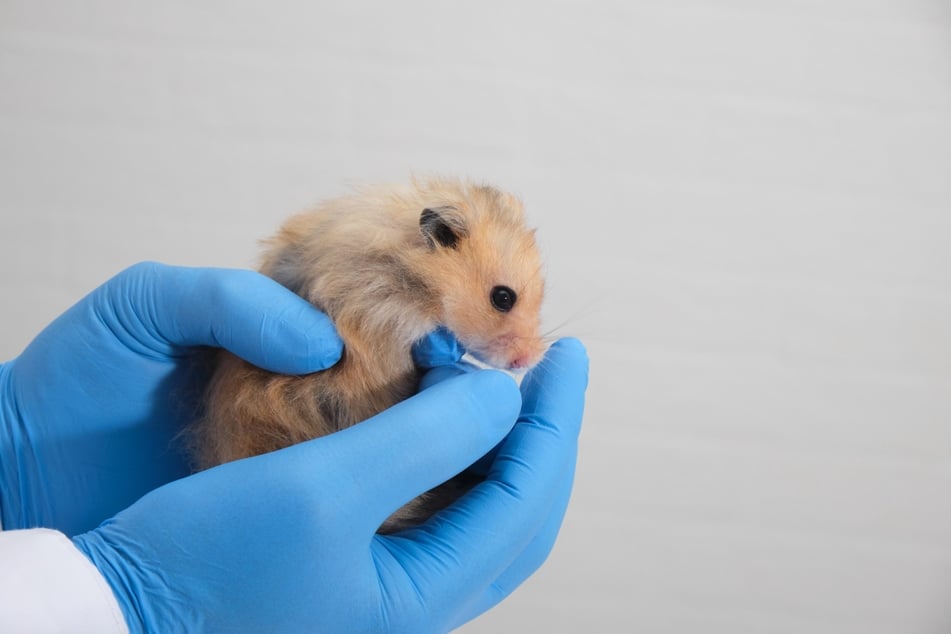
{"x": 90, "y": 410}
{"x": 286, "y": 542}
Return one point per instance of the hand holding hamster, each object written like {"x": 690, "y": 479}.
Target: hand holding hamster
{"x": 287, "y": 542}
{"x": 86, "y": 423}
{"x": 90, "y": 410}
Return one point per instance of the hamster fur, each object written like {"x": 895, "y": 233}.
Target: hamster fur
{"x": 388, "y": 265}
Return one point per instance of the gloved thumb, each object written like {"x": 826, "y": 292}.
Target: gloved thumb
{"x": 239, "y": 310}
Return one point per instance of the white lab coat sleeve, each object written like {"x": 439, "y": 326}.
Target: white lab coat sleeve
{"x": 47, "y": 585}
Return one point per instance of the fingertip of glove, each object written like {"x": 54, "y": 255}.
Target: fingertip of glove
{"x": 440, "y": 347}
{"x": 497, "y": 390}
{"x": 480, "y": 406}
{"x": 280, "y": 331}
{"x": 324, "y": 346}
{"x": 565, "y": 356}
{"x": 572, "y": 346}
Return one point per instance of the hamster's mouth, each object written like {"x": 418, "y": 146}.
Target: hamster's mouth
{"x": 508, "y": 353}
{"x": 480, "y": 357}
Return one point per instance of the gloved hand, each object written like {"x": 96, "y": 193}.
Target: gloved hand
{"x": 90, "y": 410}
{"x": 286, "y": 542}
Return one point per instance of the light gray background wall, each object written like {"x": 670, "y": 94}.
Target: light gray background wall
{"x": 745, "y": 212}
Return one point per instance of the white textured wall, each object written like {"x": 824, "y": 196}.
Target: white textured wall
{"x": 745, "y": 208}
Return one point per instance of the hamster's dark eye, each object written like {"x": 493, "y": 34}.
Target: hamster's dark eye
{"x": 503, "y": 298}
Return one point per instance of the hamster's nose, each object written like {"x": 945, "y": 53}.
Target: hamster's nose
{"x": 519, "y": 363}
{"x": 524, "y": 360}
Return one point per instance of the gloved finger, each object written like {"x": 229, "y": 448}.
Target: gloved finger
{"x": 480, "y": 536}
{"x": 415, "y": 445}
{"x": 440, "y": 347}
{"x": 482, "y": 466}
{"x": 243, "y": 311}
{"x": 527, "y": 562}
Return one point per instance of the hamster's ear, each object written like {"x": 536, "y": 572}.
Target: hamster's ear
{"x": 442, "y": 226}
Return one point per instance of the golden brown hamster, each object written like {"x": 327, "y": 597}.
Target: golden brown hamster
{"x": 388, "y": 264}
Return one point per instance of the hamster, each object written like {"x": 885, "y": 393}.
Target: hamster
{"x": 388, "y": 264}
